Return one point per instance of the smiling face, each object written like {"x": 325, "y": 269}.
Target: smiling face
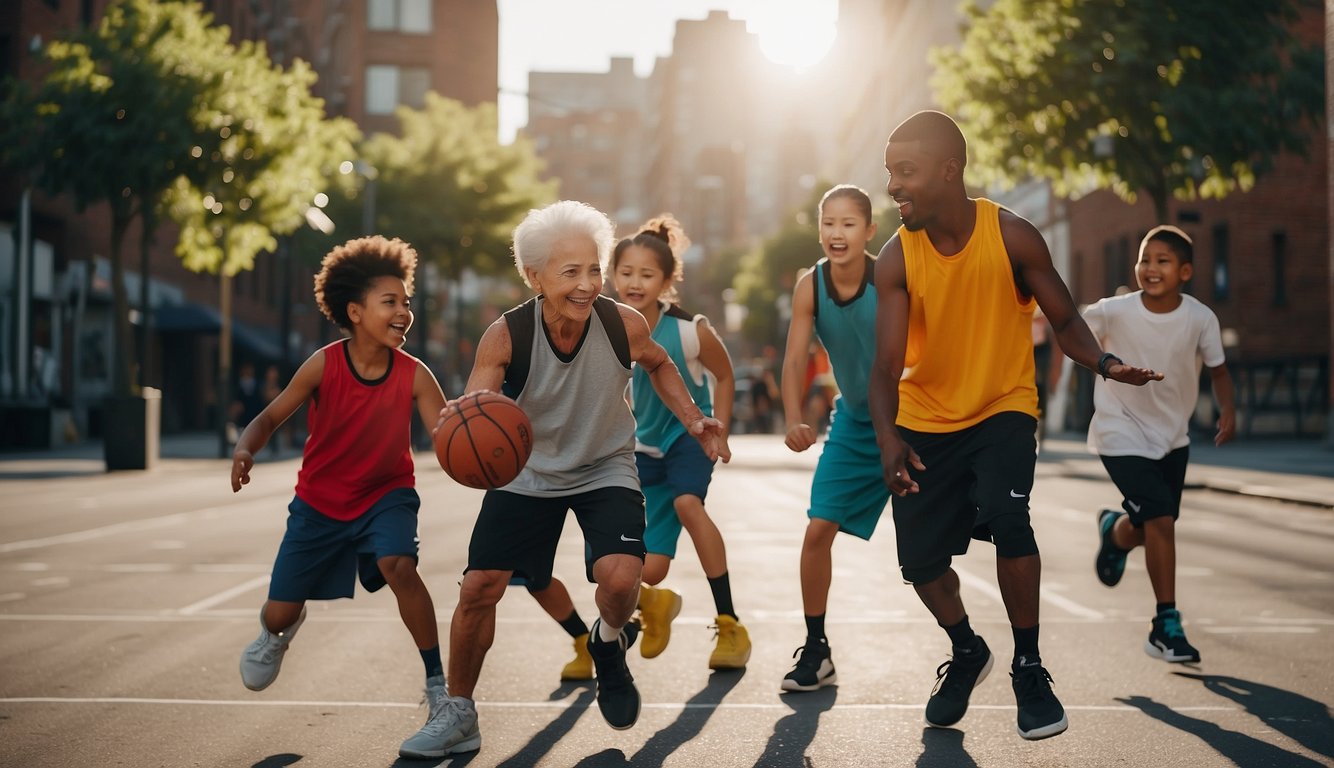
{"x": 1160, "y": 270}
{"x": 639, "y": 279}
{"x": 918, "y": 178}
{"x": 385, "y": 313}
{"x": 844, "y": 229}
{"x": 570, "y": 279}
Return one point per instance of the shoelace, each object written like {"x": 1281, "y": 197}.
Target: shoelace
{"x": 943, "y": 678}
{"x": 1034, "y": 683}
{"x": 1172, "y": 625}
{"x": 448, "y": 716}
{"x": 811, "y": 657}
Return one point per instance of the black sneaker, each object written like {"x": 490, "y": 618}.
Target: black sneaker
{"x": 1167, "y": 640}
{"x": 955, "y": 681}
{"x": 814, "y": 669}
{"x": 1111, "y": 561}
{"x": 618, "y": 698}
{"x": 1040, "y": 713}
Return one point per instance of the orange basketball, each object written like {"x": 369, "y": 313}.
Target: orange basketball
{"x": 484, "y": 440}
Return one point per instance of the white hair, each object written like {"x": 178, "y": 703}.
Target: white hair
{"x": 539, "y": 231}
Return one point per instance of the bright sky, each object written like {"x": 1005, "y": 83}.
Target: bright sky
{"x": 583, "y": 36}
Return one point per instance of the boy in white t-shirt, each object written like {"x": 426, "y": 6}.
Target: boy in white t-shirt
{"x": 1140, "y": 433}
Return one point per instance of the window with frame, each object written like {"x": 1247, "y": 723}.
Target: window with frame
{"x": 388, "y": 87}
{"x": 410, "y": 16}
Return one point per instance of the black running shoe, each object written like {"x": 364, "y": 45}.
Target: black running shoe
{"x": 1111, "y": 561}
{"x": 1040, "y": 712}
{"x": 618, "y": 698}
{"x": 955, "y": 681}
{"x": 814, "y": 669}
{"x": 1167, "y": 640}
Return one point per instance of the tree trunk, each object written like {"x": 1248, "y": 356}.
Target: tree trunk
{"x": 120, "y": 322}
{"x": 145, "y": 345}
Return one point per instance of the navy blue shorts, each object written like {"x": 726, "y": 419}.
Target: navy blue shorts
{"x": 519, "y": 533}
{"x": 1149, "y": 487}
{"x": 685, "y": 470}
{"x": 321, "y": 558}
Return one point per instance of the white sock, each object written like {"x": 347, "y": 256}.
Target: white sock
{"x": 607, "y": 634}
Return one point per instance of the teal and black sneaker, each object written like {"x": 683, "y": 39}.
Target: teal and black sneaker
{"x": 1167, "y": 640}
{"x": 1111, "y": 561}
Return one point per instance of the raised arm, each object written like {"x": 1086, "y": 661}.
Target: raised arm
{"x": 1037, "y": 277}
{"x": 891, "y": 348}
{"x": 796, "y": 355}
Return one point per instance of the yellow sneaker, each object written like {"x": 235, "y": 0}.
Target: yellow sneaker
{"x": 733, "y": 650}
{"x": 581, "y": 667}
{"x": 657, "y": 608}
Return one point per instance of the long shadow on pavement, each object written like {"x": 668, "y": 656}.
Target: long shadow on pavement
{"x": 1304, "y": 720}
{"x": 542, "y": 742}
{"x": 943, "y": 748}
{"x": 278, "y": 761}
{"x": 794, "y": 733}
{"x": 1237, "y": 747}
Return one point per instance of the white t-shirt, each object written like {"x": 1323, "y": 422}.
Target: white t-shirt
{"x": 1152, "y": 420}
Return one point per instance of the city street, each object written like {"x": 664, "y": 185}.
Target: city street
{"x": 126, "y": 598}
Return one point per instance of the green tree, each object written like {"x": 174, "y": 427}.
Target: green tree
{"x": 111, "y": 124}
{"x": 1165, "y": 97}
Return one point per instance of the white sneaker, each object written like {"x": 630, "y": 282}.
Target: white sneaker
{"x": 451, "y": 729}
{"x": 436, "y": 693}
{"x": 261, "y": 660}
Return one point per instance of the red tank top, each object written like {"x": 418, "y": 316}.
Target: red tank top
{"x": 360, "y": 444}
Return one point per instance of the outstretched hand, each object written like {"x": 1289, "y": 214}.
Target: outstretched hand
{"x": 1129, "y": 374}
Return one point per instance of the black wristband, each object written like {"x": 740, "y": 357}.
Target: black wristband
{"x": 1106, "y": 359}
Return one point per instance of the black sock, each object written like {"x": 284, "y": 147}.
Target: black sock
{"x": 1172, "y": 606}
{"x": 815, "y": 629}
{"x": 1026, "y": 646}
{"x": 431, "y": 658}
{"x": 573, "y": 625}
{"x": 722, "y": 595}
{"x": 961, "y": 635}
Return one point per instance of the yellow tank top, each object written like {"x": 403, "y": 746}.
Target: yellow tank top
{"x": 970, "y": 338}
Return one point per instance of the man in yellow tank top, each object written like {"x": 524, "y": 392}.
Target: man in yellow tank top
{"x": 954, "y": 404}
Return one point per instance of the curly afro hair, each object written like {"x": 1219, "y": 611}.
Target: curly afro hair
{"x": 347, "y": 271}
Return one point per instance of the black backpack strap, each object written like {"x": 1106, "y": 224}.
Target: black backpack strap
{"x": 611, "y": 320}
{"x": 522, "y": 324}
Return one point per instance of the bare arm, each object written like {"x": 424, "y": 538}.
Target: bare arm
{"x": 1039, "y": 278}
{"x": 430, "y": 398}
{"x": 713, "y": 355}
{"x": 257, "y": 433}
{"x": 667, "y": 381}
{"x": 796, "y": 355}
{"x": 891, "y": 348}
{"x": 1225, "y": 396}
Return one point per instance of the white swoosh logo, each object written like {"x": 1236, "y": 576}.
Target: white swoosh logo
{"x": 624, "y": 538}
{"x": 1014, "y": 495}
{"x": 1133, "y": 505}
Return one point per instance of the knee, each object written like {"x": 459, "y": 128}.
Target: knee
{"x": 820, "y": 533}
{"x": 400, "y": 572}
{"x": 689, "y": 507}
{"x": 481, "y": 589}
{"x": 1013, "y": 535}
{"x": 655, "y": 569}
{"x": 619, "y": 574}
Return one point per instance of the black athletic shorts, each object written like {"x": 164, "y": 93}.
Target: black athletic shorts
{"x": 1149, "y": 487}
{"x": 971, "y": 477}
{"x": 519, "y": 533}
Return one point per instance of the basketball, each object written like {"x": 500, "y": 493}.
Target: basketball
{"x": 484, "y": 440}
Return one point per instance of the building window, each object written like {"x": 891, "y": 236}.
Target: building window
{"x": 1280, "y": 244}
{"x": 388, "y": 87}
{"x": 411, "y": 16}
{"x": 1222, "y": 276}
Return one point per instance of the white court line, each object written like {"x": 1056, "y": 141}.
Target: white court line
{"x": 1060, "y": 601}
{"x": 1286, "y": 630}
{"x": 980, "y": 584}
{"x": 97, "y": 533}
{"x": 552, "y": 704}
{"x": 223, "y": 596}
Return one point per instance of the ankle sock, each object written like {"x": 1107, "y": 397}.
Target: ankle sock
{"x": 961, "y": 635}
{"x": 1172, "y": 606}
{"x": 431, "y": 659}
{"x": 1025, "y": 646}
{"x": 815, "y": 629}
{"x": 606, "y": 634}
{"x": 574, "y": 625}
{"x": 721, "y": 586}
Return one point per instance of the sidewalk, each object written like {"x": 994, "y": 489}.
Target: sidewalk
{"x": 1297, "y": 471}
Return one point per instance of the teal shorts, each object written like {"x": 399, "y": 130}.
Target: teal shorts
{"x": 685, "y": 470}
{"x": 849, "y": 485}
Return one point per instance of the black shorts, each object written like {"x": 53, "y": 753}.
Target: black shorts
{"x": 1149, "y": 487}
{"x": 519, "y": 533}
{"x": 972, "y": 476}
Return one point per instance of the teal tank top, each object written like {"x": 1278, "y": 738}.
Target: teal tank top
{"x": 847, "y": 331}
{"x": 657, "y": 427}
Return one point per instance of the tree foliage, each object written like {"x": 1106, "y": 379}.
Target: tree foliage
{"x": 1165, "y": 97}
{"x": 448, "y": 186}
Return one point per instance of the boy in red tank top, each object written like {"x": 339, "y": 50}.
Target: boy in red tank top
{"x": 355, "y": 509}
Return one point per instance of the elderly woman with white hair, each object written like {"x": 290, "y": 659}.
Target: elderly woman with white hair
{"x": 565, "y": 356}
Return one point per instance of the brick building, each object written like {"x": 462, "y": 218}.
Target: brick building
{"x": 55, "y": 340}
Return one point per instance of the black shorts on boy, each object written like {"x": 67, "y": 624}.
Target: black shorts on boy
{"x": 1149, "y": 487}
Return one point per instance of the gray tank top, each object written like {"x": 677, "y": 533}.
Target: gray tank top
{"x": 583, "y": 429}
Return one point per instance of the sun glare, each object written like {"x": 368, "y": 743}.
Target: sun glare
{"x": 794, "y": 37}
